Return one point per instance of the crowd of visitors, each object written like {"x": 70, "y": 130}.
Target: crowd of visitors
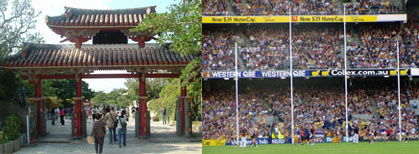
{"x": 321, "y": 106}
{"x": 116, "y": 121}
{"x": 299, "y": 7}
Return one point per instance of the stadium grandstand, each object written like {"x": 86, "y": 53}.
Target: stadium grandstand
{"x": 264, "y": 104}
{"x": 376, "y": 32}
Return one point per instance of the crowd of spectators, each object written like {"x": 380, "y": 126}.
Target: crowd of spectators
{"x": 218, "y": 50}
{"x": 409, "y": 53}
{"x": 318, "y": 46}
{"x": 378, "y": 46}
{"x": 281, "y": 7}
{"x": 314, "y": 47}
{"x": 267, "y": 48}
{"x": 373, "y": 7}
{"x": 319, "y": 106}
{"x": 214, "y": 7}
{"x": 299, "y": 7}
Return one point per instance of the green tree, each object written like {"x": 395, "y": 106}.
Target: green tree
{"x": 65, "y": 90}
{"x": 182, "y": 28}
{"x": 133, "y": 92}
{"x": 168, "y": 97}
{"x": 17, "y": 18}
{"x": 99, "y": 98}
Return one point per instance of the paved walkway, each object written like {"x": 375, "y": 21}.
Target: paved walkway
{"x": 162, "y": 140}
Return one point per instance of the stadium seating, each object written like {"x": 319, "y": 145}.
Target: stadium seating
{"x": 314, "y": 46}
{"x": 313, "y": 105}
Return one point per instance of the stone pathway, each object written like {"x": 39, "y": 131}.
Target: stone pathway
{"x": 162, "y": 140}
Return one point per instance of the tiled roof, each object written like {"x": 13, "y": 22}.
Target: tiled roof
{"x": 48, "y": 55}
{"x": 90, "y": 17}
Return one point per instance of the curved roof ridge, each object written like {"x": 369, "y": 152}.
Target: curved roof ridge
{"x": 142, "y": 10}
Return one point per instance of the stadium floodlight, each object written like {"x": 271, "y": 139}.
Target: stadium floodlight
{"x": 237, "y": 93}
{"x": 291, "y": 75}
{"x": 398, "y": 89}
{"x": 345, "y": 73}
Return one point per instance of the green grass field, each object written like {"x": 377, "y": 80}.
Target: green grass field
{"x": 412, "y": 147}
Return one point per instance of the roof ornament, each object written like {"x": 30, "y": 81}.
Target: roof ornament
{"x": 67, "y": 12}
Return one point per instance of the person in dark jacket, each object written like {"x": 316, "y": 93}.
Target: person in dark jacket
{"x": 163, "y": 116}
{"x": 99, "y": 132}
{"x": 62, "y": 116}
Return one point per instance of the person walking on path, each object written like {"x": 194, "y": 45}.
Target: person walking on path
{"x": 122, "y": 129}
{"x": 62, "y": 116}
{"x": 163, "y": 116}
{"x": 57, "y": 112}
{"x": 110, "y": 119}
{"x": 115, "y": 115}
{"x": 95, "y": 111}
{"x": 52, "y": 112}
{"x": 99, "y": 132}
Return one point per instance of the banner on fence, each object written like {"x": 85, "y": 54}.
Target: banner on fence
{"x": 213, "y": 142}
{"x": 304, "y": 18}
{"x": 306, "y": 73}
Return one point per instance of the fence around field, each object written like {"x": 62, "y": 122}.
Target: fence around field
{"x": 317, "y": 139}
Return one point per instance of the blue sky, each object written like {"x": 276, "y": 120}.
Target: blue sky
{"x": 56, "y": 8}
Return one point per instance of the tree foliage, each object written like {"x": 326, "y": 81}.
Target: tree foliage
{"x": 12, "y": 88}
{"x": 167, "y": 99}
{"x": 181, "y": 27}
{"x": 17, "y": 18}
{"x": 64, "y": 90}
{"x": 117, "y": 97}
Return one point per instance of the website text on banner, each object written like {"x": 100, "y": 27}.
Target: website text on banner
{"x": 302, "y": 73}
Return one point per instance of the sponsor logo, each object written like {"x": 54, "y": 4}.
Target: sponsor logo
{"x": 329, "y": 139}
{"x": 294, "y": 18}
{"x": 278, "y": 141}
{"x": 360, "y": 73}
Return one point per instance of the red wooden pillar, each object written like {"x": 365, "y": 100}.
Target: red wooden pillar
{"x": 78, "y": 103}
{"x": 38, "y": 95}
{"x": 143, "y": 107}
{"x": 182, "y": 107}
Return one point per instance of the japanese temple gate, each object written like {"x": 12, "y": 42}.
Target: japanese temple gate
{"x": 109, "y": 30}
